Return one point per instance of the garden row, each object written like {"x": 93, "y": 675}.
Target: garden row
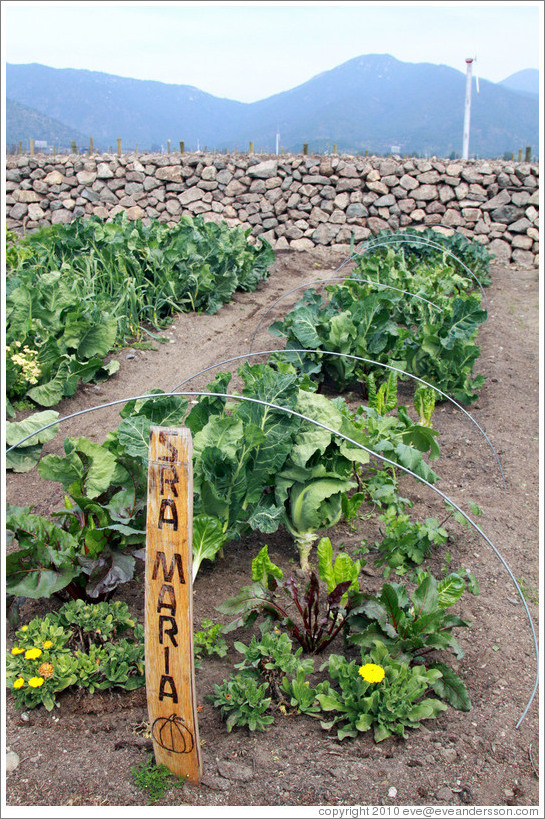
{"x": 74, "y": 293}
{"x": 293, "y": 202}
{"x": 282, "y": 454}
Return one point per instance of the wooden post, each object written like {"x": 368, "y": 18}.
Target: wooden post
{"x": 73, "y": 147}
{"x": 20, "y": 148}
{"x": 168, "y": 146}
{"x": 170, "y": 670}
{"x": 305, "y": 148}
{"x": 520, "y": 154}
{"x": 91, "y": 151}
{"x": 118, "y": 147}
{"x": 31, "y": 147}
{"x": 182, "y": 146}
{"x": 528, "y": 153}
{"x": 251, "y": 148}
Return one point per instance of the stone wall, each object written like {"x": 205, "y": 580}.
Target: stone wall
{"x": 295, "y": 202}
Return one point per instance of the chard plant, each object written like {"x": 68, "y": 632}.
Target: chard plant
{"x": 313, "y": 612}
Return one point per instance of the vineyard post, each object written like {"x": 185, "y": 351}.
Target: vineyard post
{"x": 118, "y": 147}
{"x": 528, "y": 153}
{"x": 91, "y": 151}
{"x": 305, "y": 148}
{"x": 251, "y": 150}
{"x": 182, "y": 146}
{"x": 520, "y": 154}
{"x": 168, "y": 146}
{"x": 31, "y": 147}
{"x": 170, "y": 668}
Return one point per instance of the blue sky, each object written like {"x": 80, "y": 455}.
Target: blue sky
{"x": 247, "y": 51}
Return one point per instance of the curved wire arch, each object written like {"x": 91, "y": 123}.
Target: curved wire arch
{"x": 356, "y": 358}
{"x": 349, "y": 440}
{"x": 331, "y": 279}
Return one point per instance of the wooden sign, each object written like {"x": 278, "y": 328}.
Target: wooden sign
{"x": 170, "y": 669}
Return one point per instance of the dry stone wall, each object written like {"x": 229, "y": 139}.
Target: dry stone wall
{"x": 295, "y": 202}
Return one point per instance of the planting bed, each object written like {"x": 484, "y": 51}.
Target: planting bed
{"x": 81, "y": 753}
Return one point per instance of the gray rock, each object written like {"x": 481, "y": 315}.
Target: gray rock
{"x": 444, "y": 794}
{"x": 18, "y": 210}
{"x": 506, "y": 214}
{"x": 264, "y": 170}
{"x": 12, "y": 761}
{"x": 520, "y": 226}
{"x": 500, "y": 249}
{"x": 104, "y": 171}
{"x": 523, "y": 258}
{"x": 502, "y": 198}
{"x": 325, "y": 234}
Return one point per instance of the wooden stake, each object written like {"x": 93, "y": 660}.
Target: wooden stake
{"x": 170, "y": 670}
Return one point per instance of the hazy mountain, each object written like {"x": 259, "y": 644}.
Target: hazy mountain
{"x": 525, "y": 82}
{"x": 373, "y": 103}
{"x": 26, "y": 123}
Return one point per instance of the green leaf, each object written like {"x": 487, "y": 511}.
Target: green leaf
{"x": 451, "y": 688}
{"x": 208, "y": 539}
{"x": 24, "y": 458}
{"x": 450, "y": 589}
{"x": 425, "y": 596}
{"x": 262, "y": 567}
{"x": 49, "y": 394}
{"x": 16, "y": 430}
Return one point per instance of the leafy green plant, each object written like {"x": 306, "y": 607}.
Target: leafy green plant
{"x": 208, "y": 640}
{"x": 412, "y": 626}
{"x": 25, "y": 457}
{"x": 154, "y": 779}
{"x": 79, "y": 645}
{"x": 74, "y": 292}
{"x": 406, "y": 543}
{"x": 424, "y": 319}
{"x": 381, "y": 694}
{"x": 271, "y": 677}
{"x": 242, "y": 701}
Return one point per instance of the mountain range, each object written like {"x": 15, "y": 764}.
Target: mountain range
{"x": 372, "y": 103}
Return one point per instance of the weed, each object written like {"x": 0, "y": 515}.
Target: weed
{"x": 154, "y": 779}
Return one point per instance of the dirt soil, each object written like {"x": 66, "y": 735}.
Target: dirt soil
{"x": 81, "y": 754}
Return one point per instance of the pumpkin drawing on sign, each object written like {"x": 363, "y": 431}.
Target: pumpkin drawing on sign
{"x": 172, "y": 734}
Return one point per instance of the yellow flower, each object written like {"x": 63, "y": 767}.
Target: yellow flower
{"x": 372, "y": 673}
{"x": 35, "y": 682}
{"x": 48, "y": 644}
{"x": 33, "y": 653}
{"x": 19, "y": 682}
{"x": 16, "y": 650}
{"x": 24, "y": 628}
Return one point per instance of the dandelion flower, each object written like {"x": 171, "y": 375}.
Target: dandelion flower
{"x": 35, "y": 682}
{"x": 48, "y": 644}
{"x": 33, "y": 653}
{"x": 371, "y": 673}
{"x": 16, "y": 650}
{"x": 19, "y": 682}
{"x": 24, "y": 628}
